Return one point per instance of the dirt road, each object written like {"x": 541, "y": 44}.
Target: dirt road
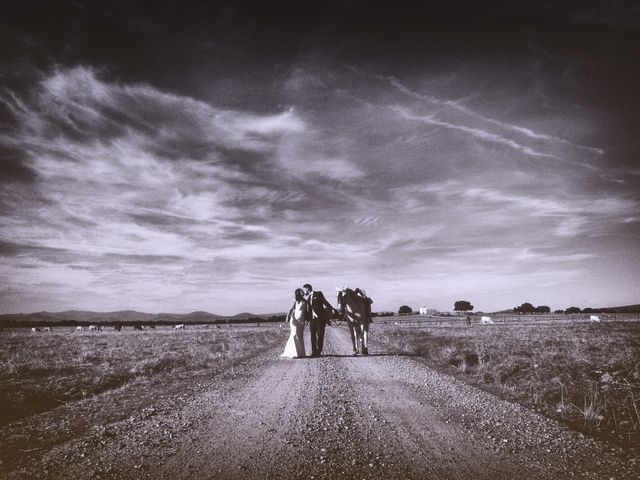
{"x": 381, "y": 416}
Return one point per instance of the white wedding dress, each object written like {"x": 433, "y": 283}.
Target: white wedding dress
{"x": 295, "y": 344}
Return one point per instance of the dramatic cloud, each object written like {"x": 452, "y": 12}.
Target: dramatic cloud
{"x": 199, "y": 168}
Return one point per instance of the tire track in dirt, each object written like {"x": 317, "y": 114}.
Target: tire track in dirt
{"x": 244, "y": 430}
{"x": 291, "y": 419}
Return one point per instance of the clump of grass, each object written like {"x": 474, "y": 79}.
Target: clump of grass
{"x": 587, "y": 375}
{"x": 592, "y": 409}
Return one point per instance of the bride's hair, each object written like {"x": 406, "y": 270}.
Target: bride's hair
{"x": 299, "y": 294}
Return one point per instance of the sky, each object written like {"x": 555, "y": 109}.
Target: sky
{"x": 181, "y": 156}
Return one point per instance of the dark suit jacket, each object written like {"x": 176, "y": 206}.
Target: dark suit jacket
{"x": 319, "y": 305}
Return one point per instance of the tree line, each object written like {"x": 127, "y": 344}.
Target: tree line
{"x": 525, "y": 308}
{"x": 529, "y": 308}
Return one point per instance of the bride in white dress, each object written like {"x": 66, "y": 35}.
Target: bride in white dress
{"x": 298, "y": 314}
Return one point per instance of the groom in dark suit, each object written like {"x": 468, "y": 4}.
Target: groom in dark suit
{"x": 319, "y": 318}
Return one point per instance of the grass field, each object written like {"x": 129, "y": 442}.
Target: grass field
{"x": 40, "y": 371}
{"x": 585, "y": 374}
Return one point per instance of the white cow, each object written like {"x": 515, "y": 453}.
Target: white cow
{"x": 47, "y": 329}
{"x": 34, "y": 330}
{"x": 594, "y": 318}
{"x": 79, "y": 329}
{"x": 95, "y": 328}
{"x": 486, "y": 321}
{"x": 179, "y": 327}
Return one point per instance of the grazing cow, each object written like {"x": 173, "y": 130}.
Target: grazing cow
{"x": 95, "y": 328}
{"x": 137, "y": 326}
{"x": 35, "y": 329}
{"x": 79, "y": 329}
{"x": 47, "y": 329}
{"x": 179, "y": 327}
{"x": 486, "y": 321}
{"x": 594, "y": 318}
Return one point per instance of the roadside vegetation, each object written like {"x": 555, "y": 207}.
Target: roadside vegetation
{"x": 587, "y": 375}
{"x": 40, "y": 371}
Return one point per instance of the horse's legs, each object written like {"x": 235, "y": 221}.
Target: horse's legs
{"x": 365, "y": 337}
{"x": 360, "y": 345}
{"x": 353, "y": 337}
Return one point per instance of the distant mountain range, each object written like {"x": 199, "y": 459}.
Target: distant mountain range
{"x": 72, "y": 317}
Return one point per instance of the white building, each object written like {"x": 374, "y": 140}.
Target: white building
{"x": 427, "y": 311}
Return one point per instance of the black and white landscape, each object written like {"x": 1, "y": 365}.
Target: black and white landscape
{"x": 166, "y": 166}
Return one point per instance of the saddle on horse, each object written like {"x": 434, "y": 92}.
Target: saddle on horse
{"x": 366, "y": 300}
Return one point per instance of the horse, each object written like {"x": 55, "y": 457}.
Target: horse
{"x": 355, "y": 311}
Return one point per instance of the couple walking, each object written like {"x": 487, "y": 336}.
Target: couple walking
{"x": 309, "y": 307}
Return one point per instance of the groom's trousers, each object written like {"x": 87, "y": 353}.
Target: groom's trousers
{"x": 316, "y": 328}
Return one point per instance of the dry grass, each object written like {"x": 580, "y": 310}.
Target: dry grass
{"x": 41, "y": 371}
{"x": 585, "y": 374}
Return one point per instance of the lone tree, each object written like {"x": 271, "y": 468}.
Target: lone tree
{"x": 462, "y": 306}
{"x": 405, "y": 309}
{"x": 543, "y": 309}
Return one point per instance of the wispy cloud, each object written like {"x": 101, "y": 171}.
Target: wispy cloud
{"x": 136, "y": 186}
{"x": 184, "y": 204}
{"x": 525, "y": 131}
{"x": 458, "y": 106}
{"x": 474, "y": 132}
{"x": 368, "y": 221}
{"x": 604, "y": 207}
